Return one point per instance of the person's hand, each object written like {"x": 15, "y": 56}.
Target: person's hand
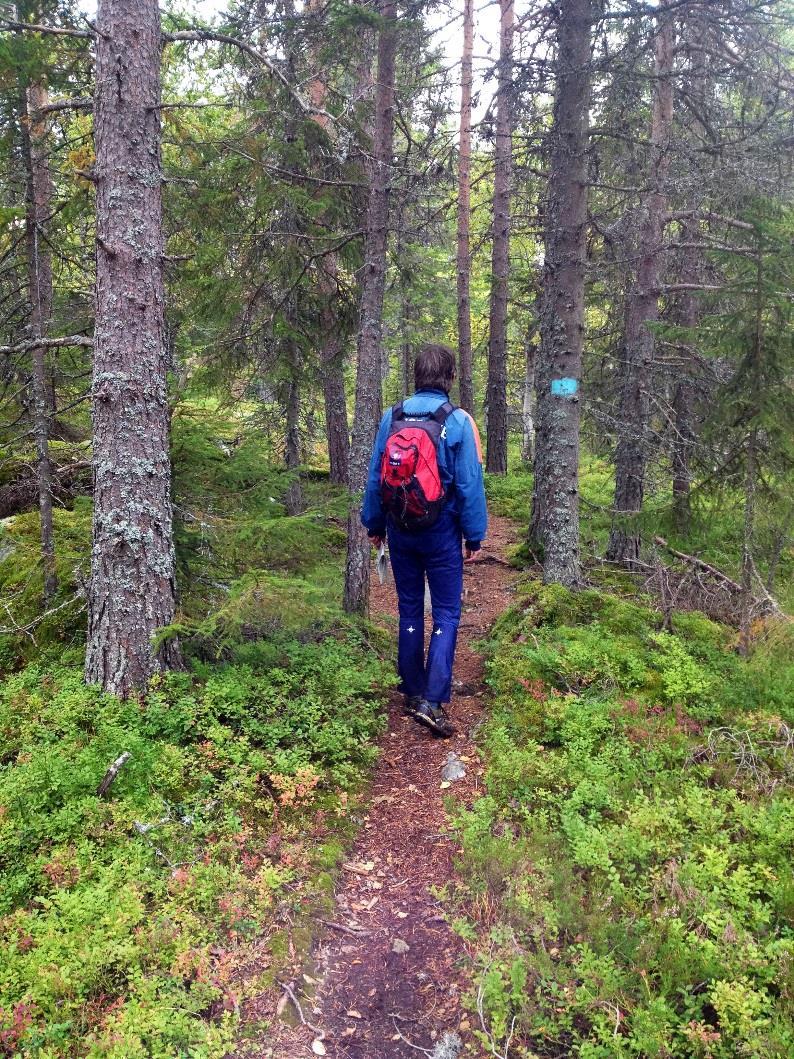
{"x": 376, "y": 540}
{"x": 471, "y": 555}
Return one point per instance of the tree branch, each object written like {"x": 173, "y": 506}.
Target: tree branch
{"x": 206, "y": 35}
{"x": 48, "y": 343}
{"x": 33, "y": 27}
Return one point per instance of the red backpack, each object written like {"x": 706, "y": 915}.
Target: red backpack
{"x": 410, "y": 482}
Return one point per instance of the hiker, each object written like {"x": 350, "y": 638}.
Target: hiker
{"x": 425, "y": 494}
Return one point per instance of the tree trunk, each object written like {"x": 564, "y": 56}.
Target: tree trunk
{"x": 332, "y": 354}
{"x": 39, "y": 263}
{"x": 465, "y": 380}
{"x": 750, "y": 481}
{"x": 332, "y": 366}
{"x": 373, "y": 280}
{"x": 292, "y": 446}
{"x": 132, "y": 591}
{"x": 406, "y": 315}
{"x": 555, "y": 501}
{"x": 642, "y": 311}
{"x": 496, "y": 398}
{"x": 687, "y": 315}
{"x": 527, "y": 416}
{"x": 751, "y": 467}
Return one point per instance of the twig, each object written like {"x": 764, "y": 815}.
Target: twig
{"x": 26, "y": 629}
{"x": 291, "y": 994}
{"x": 356, "y": 932}
{"x": 416, "y": 1047}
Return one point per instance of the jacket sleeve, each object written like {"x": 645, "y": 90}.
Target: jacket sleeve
{"x": 469, "y": 483}
{"x": 372, "y": 513}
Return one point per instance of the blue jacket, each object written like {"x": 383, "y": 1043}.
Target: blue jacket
{"x": 459, "y": 463}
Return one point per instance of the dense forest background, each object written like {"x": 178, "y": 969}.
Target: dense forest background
{"x": 222, "y": 241}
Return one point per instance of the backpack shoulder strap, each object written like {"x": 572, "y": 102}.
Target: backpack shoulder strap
{"x": 397, "y": 412}
{"x": 443, "y": 412}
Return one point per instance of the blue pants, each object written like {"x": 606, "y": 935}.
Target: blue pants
{"x": 438, "y": 554}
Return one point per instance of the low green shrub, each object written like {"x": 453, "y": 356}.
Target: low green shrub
{"x": 118, "y": 915}
{"x": 628, "y": 875}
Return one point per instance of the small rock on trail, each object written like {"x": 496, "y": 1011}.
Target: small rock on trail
{"x": 453, "y": 769}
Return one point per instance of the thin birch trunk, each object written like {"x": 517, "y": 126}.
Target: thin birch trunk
{"x": 496, "y": 397}
{"x": 527, "y": 412}
{"x": 132, "y": 591}
{"x": 465, "y": 369}
{"x": 555, "y": 501}
{"x": 373, "y": 281}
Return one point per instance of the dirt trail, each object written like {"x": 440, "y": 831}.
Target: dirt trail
{"x": 390, "y": 968}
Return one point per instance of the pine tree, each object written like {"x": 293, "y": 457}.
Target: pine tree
{"x": 464, "y": 214}
{"x": 555, "y": 501}
{"x": 369, "y": 357}
{"x": 132, "y": 590}
{"x": 496, "y": 396}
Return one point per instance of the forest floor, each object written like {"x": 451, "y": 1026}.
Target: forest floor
{"x": 387, "y": 975}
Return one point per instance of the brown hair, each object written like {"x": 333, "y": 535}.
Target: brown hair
{"x": 434, "y": 368}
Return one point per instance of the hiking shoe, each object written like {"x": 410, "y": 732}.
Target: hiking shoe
{"x": 433, "y": 716}
{"x": 411, "y": 704}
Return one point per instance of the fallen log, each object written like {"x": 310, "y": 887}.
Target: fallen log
{"x": 700, "y": 564}
{"x": 68, "y": 481}
{"x": 765, "y": 603}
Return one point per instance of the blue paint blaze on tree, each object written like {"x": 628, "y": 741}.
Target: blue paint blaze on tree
{"x": 564, "y": 387}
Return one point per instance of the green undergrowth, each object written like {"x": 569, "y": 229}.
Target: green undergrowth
{"x": 124, "y": 919}
{"x": 127, "y": 921}
{"x": 628, "y": 880}
{"x": 714, "y": 530}
{"x": 244, "y": 566}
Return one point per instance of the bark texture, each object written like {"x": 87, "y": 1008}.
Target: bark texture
{"x": 555, "y": 502}
{"x": 132, "y": 592}
{"x": 465, "y": 380}
{"x": 373, "y": 280}
{"x": 642, "y": 311}
{"x": 496, "y": 396}
{"x": 39, "y": 263}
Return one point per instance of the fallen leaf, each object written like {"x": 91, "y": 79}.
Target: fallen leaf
{"x": 402, "y": 915}
{"x": 445, "y": 784}
{"x": 318, "y": 1047}
{"x": 282, "y": 1003}
{"x": 353, "y": 1014}
{"x": 399, "y": 946}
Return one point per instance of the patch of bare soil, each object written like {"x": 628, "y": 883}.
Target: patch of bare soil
{"x": 389, "y": 974}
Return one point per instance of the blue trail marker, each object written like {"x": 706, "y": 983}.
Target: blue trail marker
{"x": 564, "y": 387}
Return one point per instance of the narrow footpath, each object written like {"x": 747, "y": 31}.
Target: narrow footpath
{"x": 389, "y": 969}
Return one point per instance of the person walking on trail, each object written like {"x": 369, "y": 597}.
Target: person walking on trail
{"x": 425, "y": 493}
